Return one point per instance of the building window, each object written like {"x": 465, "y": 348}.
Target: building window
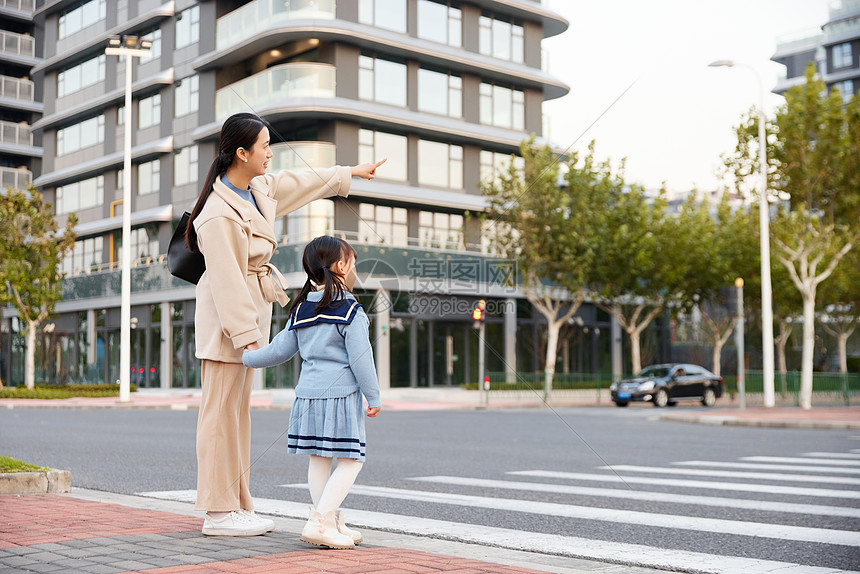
{"x": 144, "y": 244}
{"x": 312, "y": 220}
{"x": 382, "y": 224}
{"x": 155, "y": 50}
{"x": 440, "y": 93}
{"x": 389, "y": 14}
{"x": 381, "y": 81}
{"x": 846, "y": 90}
{"x": 86, "y": 254}
{"x": 373, "y": 144}
{"x": 492, "y": 163}
{"x": 186, "y": 94}
{"x": 79, "y": 136}
{"x": 440, "y": 164}
{"x": 440, "y": 230}
{"x": 80, "y": 195}
{"x": 842, "y": 56}
{"x": 188, "y": 27}
{"x": 502, "y": 107}
{"x": 440, "y": 22}
{"x": 148, "y": 177}
{"x": 500, "y": 39}
{"x": 81, "y": 76}
{"x": 185, "y": 166}
{"x": 82, "y": 15}
{"x": 149, "y": 112}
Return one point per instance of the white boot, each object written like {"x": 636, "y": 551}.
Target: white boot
{"x": 343, "y": 529}
{"x": 321, "y": 530}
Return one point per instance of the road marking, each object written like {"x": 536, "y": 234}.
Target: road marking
{"x": 733, "y": 474}
{"x": 575, "y": 547}
{"x": 698, "y": 484}
{"x": 647, "y": 496}
{"x": 674, "y": 521}
{"x": 753, "y": 465}
{"x": 798, "y": 460}
{"x": 833, "y": 455}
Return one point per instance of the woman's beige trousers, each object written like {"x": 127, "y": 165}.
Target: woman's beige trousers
{"x": 224, "y": 437}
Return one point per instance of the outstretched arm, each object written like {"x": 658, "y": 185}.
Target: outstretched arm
{"x": 282, "y": 348}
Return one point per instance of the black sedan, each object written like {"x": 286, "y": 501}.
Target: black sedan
{"x": 667, "y": 384}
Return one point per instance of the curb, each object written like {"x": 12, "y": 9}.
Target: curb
{"x": 48, "y": 482}
{"x": 761, "y": 423}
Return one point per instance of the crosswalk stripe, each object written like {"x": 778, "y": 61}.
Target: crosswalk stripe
{"x": 647, "y": 496}
{"x": 834, "y": 455}
{"x": 574, "y": 547}
{"x": 678, "y": 522}
{"x": 753, "y": 465}
{"x": 697, "y": 484}
{"x": 798, "y": 460}
{"x": 734, "y": 474}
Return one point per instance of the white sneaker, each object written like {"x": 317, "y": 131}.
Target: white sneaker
{"x": 267, "y": 522}
{"x": 233, "y": 524}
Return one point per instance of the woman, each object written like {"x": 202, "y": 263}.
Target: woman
{"x": 233, "y": 226}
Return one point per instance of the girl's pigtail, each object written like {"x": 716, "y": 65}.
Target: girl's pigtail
{"x": 301, "y": 297}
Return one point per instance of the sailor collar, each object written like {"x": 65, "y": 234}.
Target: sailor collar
{"x": 340, "y": 312}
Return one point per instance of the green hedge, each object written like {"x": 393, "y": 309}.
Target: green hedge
{"x": 61, "y": 391}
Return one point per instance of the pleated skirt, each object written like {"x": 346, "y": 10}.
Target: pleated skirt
{"x": 328, "y": 427}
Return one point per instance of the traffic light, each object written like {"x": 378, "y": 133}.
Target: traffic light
{"x": 479, "y": 312}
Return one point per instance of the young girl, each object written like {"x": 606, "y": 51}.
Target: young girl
{"x": 330, "y": 330}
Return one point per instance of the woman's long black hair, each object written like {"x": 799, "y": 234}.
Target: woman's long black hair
{"x": 238, "y": 131}
{"x": 320, "y": 254}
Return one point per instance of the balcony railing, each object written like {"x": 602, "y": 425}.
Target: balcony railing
{"x": 847, "y": 29}
{"x": 305, "y": 80}
{"x": 20, "y": 5}
{"x": 18, "y": 134}
{"x": 15, "y": 178}
{"x": 300, "y": 156}
{"x": 18, "y": 44}
{"x": 16, "y": 88}
{"x": 248, "y": 20}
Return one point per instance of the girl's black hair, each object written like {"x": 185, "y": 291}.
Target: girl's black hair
{"x": 238, "y": 131}
{"x": 320, "y": 254}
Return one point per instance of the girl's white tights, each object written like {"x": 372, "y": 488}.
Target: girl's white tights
{"x": 329, "y": 489}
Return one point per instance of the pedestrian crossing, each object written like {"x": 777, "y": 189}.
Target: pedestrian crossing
{"x": 792, "y": 514}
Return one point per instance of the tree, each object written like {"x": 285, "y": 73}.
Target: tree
{"x": 729, "y": 251}
{"x": 840, "y": 297}
{"x": 545, "y": 228}
{"x": 805, "y": 243}
{"x": 31, "y": 250}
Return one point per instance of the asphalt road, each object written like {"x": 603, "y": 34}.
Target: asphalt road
{"x": 133, "y": 451}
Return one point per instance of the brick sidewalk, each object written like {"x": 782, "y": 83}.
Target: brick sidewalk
{"x": 54, "y": 533}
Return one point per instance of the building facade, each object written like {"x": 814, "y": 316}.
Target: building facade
{"x": 445, "y": 89}
{"x": 834, "y": 48}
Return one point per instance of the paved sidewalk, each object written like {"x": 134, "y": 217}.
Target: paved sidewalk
{"x": 104, "y": 533}
{"x": 825, "y": 417}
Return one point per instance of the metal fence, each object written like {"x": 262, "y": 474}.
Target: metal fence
{"x": 842, "y": 387}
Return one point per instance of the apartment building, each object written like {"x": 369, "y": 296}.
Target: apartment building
{"x": 834, "y": 48}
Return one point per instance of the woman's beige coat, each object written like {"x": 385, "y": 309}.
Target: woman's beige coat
{"x": 235, "y": 294}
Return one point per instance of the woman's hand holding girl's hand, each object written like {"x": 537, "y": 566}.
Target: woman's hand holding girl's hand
{"x": 373, "y": 411}
{"x": 252, "y": 346}
{"x": 367, "y": 170}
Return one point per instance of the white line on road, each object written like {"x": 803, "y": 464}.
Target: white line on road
{"x": 753, "y": 465}
{"x": 733, "y": 474}
{"x": 621, "y": 553}
{"x": 799, "y": 460}
{"x": 678, "y": 522}
{"x": 833, "y": 455}
{"x": 672, "y": 498}
{"x": 697, "y": 484}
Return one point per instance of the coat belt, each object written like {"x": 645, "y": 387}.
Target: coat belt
{"x": 272, "y": 283}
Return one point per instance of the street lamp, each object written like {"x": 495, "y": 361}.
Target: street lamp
{"x": 127, "y": 46}
{"x": 739, "y": 342}
{"x": 764, "y": 223}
